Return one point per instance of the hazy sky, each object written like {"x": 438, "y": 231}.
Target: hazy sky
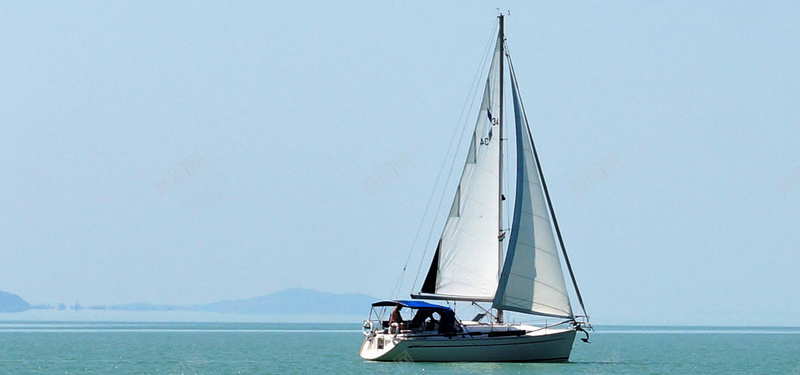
{"x": 169, "y": 153}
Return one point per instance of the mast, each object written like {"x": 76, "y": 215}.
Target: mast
{"x": 502, "y": 40}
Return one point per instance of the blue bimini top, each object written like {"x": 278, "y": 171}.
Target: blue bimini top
{"x": 414, "y": 304}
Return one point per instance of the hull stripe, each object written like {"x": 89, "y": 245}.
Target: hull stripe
{"x": 480, "y": 344}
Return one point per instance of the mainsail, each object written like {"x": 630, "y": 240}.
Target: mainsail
{"x": 532, "y": 281}
{"x": 465, "y": 265}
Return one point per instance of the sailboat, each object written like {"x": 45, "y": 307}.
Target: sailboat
{"x": 479, "y": 261}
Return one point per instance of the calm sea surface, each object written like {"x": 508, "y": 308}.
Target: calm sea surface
{"x": 262, "y": 348}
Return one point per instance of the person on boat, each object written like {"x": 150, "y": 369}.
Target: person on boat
{"x": 447, "y": 324}
{"x": 396, "y": 317}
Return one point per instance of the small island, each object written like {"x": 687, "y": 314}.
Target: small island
{"x": 10, "y": 302}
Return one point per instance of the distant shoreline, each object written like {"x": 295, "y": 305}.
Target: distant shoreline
{"x": 113, "y": 316}
{"x": 282, "y": 304}
{"x": 10, "y": 323}
{"x": 178, "y": 317}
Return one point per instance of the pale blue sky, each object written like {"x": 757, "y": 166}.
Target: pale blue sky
{"x": 171, "y": 153}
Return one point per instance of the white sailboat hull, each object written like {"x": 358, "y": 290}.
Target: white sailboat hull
{"x": 544, "y": 345}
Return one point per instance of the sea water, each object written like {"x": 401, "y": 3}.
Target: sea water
{"x": 263, "y": 348}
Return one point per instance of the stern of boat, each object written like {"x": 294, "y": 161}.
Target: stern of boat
{"x": 380, "y": 347}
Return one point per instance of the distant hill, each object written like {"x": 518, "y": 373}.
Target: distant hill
{"x": 12, "y": 303}
{"x": 285, "y": 302}
{"x": 296, "y": 301}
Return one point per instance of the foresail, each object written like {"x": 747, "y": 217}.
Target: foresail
{"x": 532, "y": 280}
{"x": 465, "y": 264}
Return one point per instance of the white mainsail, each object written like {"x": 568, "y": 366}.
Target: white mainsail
{"x": 465, "y": 265}
{"x": 532, "y": 280}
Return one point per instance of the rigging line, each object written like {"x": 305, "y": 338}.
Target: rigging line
{"x": 463, "y": 118}
{"x": 546, "y": 192}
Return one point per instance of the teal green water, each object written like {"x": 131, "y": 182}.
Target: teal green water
{"x": 256, "y": 348}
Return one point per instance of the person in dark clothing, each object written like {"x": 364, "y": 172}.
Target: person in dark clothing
{"x": 421, "y": 321}
{"x": 448, "y": 323}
